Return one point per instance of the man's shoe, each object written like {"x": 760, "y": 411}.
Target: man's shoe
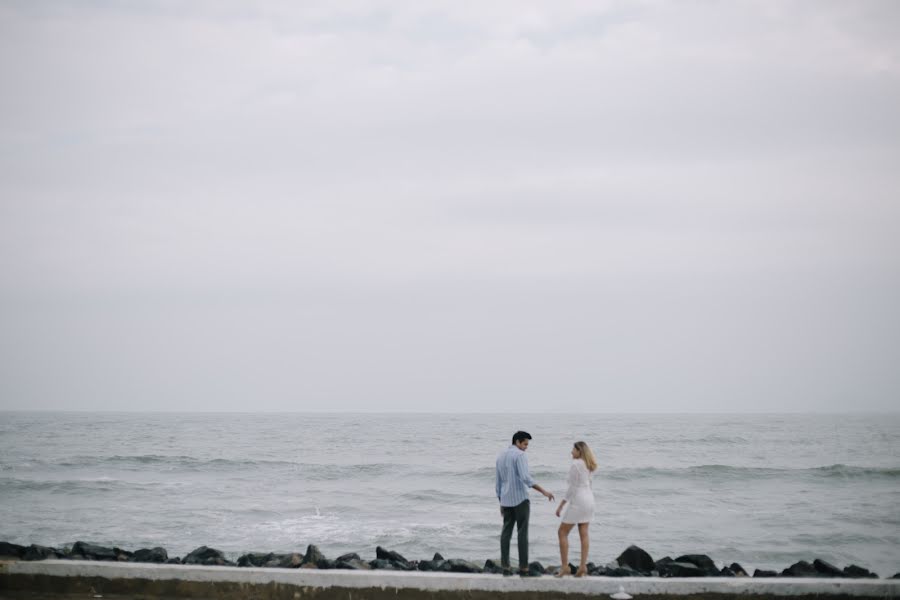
{"x": 529, "y": 573}
{"x": 507, "y": 572}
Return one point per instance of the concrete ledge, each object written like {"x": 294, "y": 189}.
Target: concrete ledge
{"x": 67, "y": 577}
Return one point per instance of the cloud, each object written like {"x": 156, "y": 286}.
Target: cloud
{"x": 417, "y": 192}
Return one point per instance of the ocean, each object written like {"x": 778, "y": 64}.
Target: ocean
{"x": 762, "y": 490}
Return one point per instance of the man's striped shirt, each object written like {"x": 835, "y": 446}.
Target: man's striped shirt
{"x": 513, "y": 478}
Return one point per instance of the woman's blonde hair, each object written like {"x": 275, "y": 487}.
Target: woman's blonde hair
{"x": 587, "y": 455}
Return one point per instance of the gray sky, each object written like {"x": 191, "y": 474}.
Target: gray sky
{"x": 577, "y": 206}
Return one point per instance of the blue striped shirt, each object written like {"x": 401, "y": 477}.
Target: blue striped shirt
{"x": 513, "y": 478}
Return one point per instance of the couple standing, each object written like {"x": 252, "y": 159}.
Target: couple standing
{"x": 513, "y": 481}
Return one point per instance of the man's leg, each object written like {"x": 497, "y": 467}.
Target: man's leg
{"x": 509, "y": 519}
{"x": 523, "y": 511}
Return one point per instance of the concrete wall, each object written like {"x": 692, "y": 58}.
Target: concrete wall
{"x": 84, "y": 579}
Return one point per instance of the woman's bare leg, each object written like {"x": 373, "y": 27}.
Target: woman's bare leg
{"x": 563, "y": 533}
{"x": 585, "y": 546}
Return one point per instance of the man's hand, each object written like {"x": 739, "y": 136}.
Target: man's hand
{"x": 550, "y": 496}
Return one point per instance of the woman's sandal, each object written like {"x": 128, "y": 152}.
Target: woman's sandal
{"x": 581, "y": 572}
{"x": 563, "y": 571}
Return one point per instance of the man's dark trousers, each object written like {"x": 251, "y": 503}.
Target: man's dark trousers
{"x": 518, "y": 516}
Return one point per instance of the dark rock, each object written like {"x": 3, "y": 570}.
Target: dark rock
{"x": 702, "y": 561}
{"x": 598, "y": 571}
{"x": 430, "y": 565}
{"x": 255, "y": 559}
{"x": 354, "y": 564}
{"x": 857, "y": 572}
{"x": 405, "y": 566}
{"x": 726, "y": 572}
{"x": 10, "y": 551}
{"x": 149, "y": 555}
{"x": 285, "y": 561}
{"x": 382, "y": 564}
{"x": 458, "y": 565}
{"x": 622, "y": 572}
{"x": 826, "y": 568}
{"x": 437, "y": 556}
{"x": 800, "y": 569}
{"x": 347, "y": 557}
{"x": 206, "y": 556}
{"x": 312, "y": 557}
{"x": 122, "y": 555}
{"x": 174, "y": 561}
{"x": 659, "y": 567}
{"x": 86, "y": 551}
{"x": 763, "y": 573}
{"x": 35, "y": 552}
{"x": 490, "y": 566}
{"x": 677, "y": 568}
{"x": 535, "y": 569}
{"x": 389, "y": 555}
{"x": 895, "y": 576}
{"x": 324, "y": 564}
{"x": 738, "y": 570}
{"x": 636, "y": 558}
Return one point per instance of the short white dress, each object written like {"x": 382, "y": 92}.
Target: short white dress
{"x": 580, "y": 496}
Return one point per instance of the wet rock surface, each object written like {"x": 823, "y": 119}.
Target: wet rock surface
{"x": 632, "y": 562}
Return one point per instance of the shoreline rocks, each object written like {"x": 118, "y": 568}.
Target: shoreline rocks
{"x": 632, "y": 562}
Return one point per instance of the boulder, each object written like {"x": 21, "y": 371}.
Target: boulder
{"x": 800, "y": 569}
{"x": 206, "y": 556}
{"x": 764, "y": 573}
{"x": 347, "y": 557}
{"x": 490, "y": 566}
{"x": 382, "y": 564}
{"x": 622, "y": 572}
{"x": 176, "y": 560}
{"x": 292, "y": 560}
{"x": 437, "y": 556}
{"x": 325, "y": 563}
{"x": 677, "y": 568}
{"x": 535, "y": 569}
{"x": 254, "y": 559}
{"x": 458, "y": 565}
{"x": 856, "y": 572}
{"x": 149, "y": 555}
{"x": 312, "y": 557}
{"x": 636, "y": 558}
{"x": 389, "y": 555}
{"x": 702, "y": 561}
{"x": 598, "y": 570}
{"x": 430, "y": 565}
{"x": 826, "y": 568}
{"x": 354, "y": 564}
{"x": 738, "y": 570}
{"x": 726, "y": 572}
{"x": 122, "y": 555}
{"x": 10, "y": 551}
{"x": 35, "y": 552}
{"x": 86, "y": 551}
{"x": 895, "y": 576}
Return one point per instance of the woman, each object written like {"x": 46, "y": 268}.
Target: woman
{"x": 580, "y": 510}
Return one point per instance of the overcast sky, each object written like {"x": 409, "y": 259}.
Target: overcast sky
{"x": 450, "y": 206}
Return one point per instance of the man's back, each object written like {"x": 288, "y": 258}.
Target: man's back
{"x": 513, "y": 478}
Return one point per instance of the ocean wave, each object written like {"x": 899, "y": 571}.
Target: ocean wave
{"x": 182, "y": 463}
{"x": 734, "y": 472}
{"x": 86, "y": 484}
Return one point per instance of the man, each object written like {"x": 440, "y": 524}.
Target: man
{"x": 513, "y": 481}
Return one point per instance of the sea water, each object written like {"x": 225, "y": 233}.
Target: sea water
{"x": 762, "y": 490}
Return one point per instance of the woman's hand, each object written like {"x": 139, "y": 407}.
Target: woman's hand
{"x": 559, "y": 510}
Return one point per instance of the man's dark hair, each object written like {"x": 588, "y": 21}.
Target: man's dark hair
{"x": 521, "y": 435}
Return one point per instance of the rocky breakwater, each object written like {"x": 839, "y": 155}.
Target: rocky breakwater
{"x": 633, "y": 562}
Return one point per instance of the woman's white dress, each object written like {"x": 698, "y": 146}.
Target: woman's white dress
{"x": 580, "y": 496}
